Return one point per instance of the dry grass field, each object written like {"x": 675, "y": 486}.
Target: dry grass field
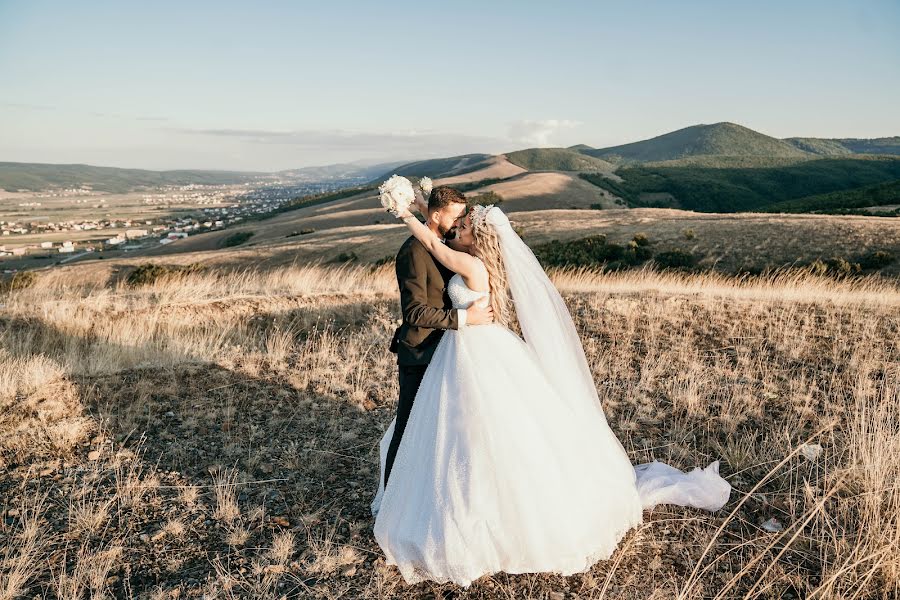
{"x": 214, "y": 435}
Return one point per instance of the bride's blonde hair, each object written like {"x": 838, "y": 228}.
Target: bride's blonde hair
{"x": 486, "y": 246}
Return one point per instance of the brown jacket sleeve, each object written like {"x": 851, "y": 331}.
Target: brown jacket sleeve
{"x": 412, "y": 278}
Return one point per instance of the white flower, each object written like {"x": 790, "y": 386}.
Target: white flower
{"x": 396, "y": 194}
{"x": 425, "y": 185}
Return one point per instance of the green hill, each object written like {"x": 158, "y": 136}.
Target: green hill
{"x": 440, "y": 167}
{"x": 820, "y": 146}
{"x": 887, "y": 145}
{"x": 720, "y": 139}
{"x": 713, "y": 161}
{"x": 846, "y": 146}
{"x": 713, "y": 189}
{"x": 556, "y": 159}
{"x": 843, "y": 201}
{"x": 37, "y": 176}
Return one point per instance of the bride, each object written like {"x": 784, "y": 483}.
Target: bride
{"x": 507, "y": 462}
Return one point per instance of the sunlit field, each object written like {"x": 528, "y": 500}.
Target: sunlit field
{"x": 215, "y": 434}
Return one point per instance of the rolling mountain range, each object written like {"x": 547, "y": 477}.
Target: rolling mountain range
{"x": 722, "y": 167}
{"x": 843, "y": 147}
{"x": 721, "y": 139}
{"x": 725, "y": 142}
{"x": 35, "y": 177}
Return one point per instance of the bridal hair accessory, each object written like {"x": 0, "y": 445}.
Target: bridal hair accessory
{"x": 479, "y": 215}
{"x": 396, "y": 194}
{"x": 490, "y": 214}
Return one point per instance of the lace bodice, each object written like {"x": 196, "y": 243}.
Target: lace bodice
{"x": 461, "y": 295}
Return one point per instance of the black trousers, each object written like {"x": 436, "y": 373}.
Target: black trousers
{"x": 410, "y": 378}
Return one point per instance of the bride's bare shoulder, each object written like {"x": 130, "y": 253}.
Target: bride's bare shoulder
{"x": 479, "y": 279}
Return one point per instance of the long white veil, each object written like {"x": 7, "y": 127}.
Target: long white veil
{"x": 550, "y": 333}
{"x": 544, "y": 318}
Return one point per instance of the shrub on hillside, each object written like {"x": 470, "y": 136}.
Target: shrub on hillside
{"x": 641, "y": 239}
{"x": 836, "y": 266}
{"x": 641, "y": 252}
{"x": 841, "y": 267}
{"x": 237, "y": 238}
{"x": 877, "y": 259}
{"x": 593, "y": 251}
{"x": 676, "y": 259}
{"x": 385, "y": 260}
{"x": 486, "y": 198}
{"x": 346, "y": 257}
{"x": 818, "y": 267}
{"x": 149, "y": 273}
{"x": 301, "y": 232}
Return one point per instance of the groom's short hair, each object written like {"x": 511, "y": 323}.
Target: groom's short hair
{"x": 444, "y": 195}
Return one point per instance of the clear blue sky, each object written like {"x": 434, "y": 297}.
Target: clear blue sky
{"x": 273, "y": 85}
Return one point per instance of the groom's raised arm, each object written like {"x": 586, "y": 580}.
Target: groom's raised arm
{"x": 412, "y": 278}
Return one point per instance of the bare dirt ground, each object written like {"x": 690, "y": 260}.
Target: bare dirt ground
{"x": 548, "y": 190}
{"x": 499, "y": 168}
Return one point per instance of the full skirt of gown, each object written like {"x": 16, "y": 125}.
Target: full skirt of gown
{"x": 495, "y": 473}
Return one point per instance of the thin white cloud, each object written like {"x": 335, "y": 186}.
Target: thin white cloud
{"x": 27, "y": 106}
{"x": 90, "y": 113}
{"x": 426, "y": 142}
{"x": 538, "y": 132}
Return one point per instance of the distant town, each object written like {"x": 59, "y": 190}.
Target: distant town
{"x": 189, "y": 210}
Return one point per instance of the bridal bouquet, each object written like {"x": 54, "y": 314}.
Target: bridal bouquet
{"x": 396, "y": 194}
{"x": 425, "y": 185}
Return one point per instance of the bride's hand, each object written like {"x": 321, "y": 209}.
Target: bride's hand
{"x": 404, "y": 213}
{"x": 421, "y": 203}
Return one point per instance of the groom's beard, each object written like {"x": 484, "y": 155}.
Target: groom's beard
{"x": 450, "y": 234}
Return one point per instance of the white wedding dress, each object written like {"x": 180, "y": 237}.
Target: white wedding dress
{"x": 500, "y": 470}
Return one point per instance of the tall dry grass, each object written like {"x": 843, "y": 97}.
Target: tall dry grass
{"x": 89, "y": 328}
{"x": 690, "y": 368}
{"x": 787, "y": 285}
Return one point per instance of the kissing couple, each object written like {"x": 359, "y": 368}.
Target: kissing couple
{"x": 500, "y": 457}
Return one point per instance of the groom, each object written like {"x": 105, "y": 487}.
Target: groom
{"x": 426, "y": 307}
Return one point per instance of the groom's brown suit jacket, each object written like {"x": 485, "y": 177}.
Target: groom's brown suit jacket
{"x": 426, "y": 306}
